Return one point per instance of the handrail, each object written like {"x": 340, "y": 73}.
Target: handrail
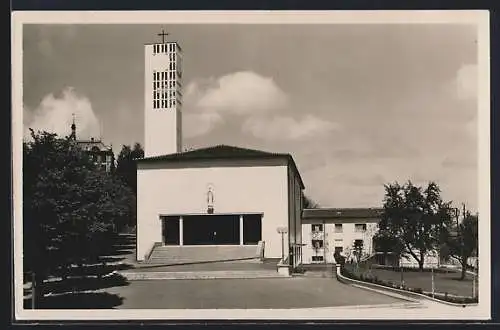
{"x": 147, "y": 256}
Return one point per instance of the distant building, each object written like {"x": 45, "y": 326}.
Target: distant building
{"x": 101, "y": 154}
{"x": 329, "y": 230}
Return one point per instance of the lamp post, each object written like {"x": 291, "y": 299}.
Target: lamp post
{"x": 475, "y": 278}
{"x": 282, "y": 231}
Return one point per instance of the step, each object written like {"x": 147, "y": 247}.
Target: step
{"x": 319, "y": 274}
{"x": 194, "y": 254}
{"x": 169, "y": 261}
{"x": 200, "y": 275}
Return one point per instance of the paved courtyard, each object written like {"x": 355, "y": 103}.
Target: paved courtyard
{"x": 245, "y": 294}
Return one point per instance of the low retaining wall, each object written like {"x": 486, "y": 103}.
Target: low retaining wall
{"x": 283, "y": 268}
{"x": 405, "y": 293}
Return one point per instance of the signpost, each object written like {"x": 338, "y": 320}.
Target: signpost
{"x": 475, "y": 274}
{"x": 282, "y": 231}
{"x": 432, "y": 275}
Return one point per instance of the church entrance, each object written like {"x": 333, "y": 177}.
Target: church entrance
{"x": 252, "y": 229}
{"x": 213, "y": 229}
{"x": 170, "y": 230}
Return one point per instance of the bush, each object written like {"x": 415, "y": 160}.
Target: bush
{"x": 445, "y": 297}
{"x": 299, "y": 270}
{"x": 418, "y": 290}
{"x": 339, "y": 258}
{"x": 454, "y": 299}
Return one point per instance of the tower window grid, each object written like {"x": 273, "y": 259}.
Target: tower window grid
{"x": 166, "y": 84}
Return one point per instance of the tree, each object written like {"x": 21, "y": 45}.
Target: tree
{"x": 416, "y": 217}
{"x": 68, "y": 205}
{"x": 308, "y": 203}
{"x": 387, "y": 244}
{"x": 358, "y": 249}
{"x": 462, "y": 242}
{"x": 126, "y": 167}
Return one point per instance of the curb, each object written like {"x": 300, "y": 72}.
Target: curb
{"x": 137, "y": 276}
{"x": 390, "y": 294}
{"x": 386, "y": 290}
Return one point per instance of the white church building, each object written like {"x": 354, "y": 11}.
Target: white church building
{"x": 220, "y": 195}
{"x": 225, "y": 195}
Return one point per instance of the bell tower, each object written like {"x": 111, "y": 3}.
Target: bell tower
{"x": 162, "y": 97}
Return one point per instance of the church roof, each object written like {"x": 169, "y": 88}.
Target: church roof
{"x": 343, "y": 213}
{"x": 224, "y": 152}
{"x": 90, "y": 144}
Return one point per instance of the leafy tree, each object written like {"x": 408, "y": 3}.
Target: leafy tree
{"x": 416, "y": 217}
{"x": 69, "y": 205}
{"x": 387, "y": 244}
{"x": 462, "y": 242}
{"x": 126, "y": 167}
{"x": 358, "y": 249}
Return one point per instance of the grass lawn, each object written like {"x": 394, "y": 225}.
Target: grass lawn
{"x": 444, "y": 282}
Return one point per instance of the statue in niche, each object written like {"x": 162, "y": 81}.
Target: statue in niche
{"x": 210, "y": 199}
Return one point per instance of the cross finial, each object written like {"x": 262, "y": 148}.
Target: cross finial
{"x": 162, "y": 35}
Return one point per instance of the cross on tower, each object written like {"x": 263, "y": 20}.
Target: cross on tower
{"x": 162, "y": 35}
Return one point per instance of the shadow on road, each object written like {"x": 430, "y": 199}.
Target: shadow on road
{"x": 83, "y": 287}
{"x": 95, "y": 300}
{"x": 81, "y": 284}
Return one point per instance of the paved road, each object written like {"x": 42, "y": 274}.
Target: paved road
{"x": 246, "y": 294}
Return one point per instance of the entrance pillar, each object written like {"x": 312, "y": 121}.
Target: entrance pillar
{"x": 241, "y": 229}
{"x": 181, "y": 231}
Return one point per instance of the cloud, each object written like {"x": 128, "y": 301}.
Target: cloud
{"x": 466, "y": 82}
{"x": 45, "y": 47}
{"x": 240, "y": 93}
{"x": 288, "y": 128}
{"x": 54, "y": 114}
{"x": 199, "y": 124}
{"x": 50, "y": 35}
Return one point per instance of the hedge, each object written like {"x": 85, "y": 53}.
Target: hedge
{"x": 375, "y": 280}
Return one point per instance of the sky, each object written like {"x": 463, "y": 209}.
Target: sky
{"x": 357, "y": 106}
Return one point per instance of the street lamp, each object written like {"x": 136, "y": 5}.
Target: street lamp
{"x": 282, "y": 231}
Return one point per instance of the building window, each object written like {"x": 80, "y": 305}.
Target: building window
{"x": 338, "y": 228}
{"x": 317, "y": 243}
{"x": 317, "y": 227}
{"x": 317, "y": 258}
{"x": 360, "y": 227}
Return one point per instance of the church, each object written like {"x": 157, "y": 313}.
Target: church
{"x": 224, "y": 196}
{"x": 220, "y": 195}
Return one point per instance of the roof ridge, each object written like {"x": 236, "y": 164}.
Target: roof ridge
{"x": 223, "y": 145}
{"x": 222, "y": 151}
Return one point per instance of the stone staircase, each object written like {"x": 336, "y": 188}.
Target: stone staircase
{"x": 204, "y": 262}
{"x": 174, "y": 255}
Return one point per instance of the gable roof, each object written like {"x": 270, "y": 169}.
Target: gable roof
{"x": 342, "y": 213}
{"x": 223, "y": 152}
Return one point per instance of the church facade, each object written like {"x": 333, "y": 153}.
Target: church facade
{"x": 221, "y": 195}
